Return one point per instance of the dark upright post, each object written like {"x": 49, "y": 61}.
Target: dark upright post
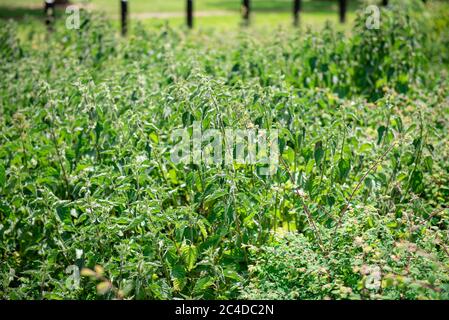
{"x": 49, "y": 11}
{"x": 246, "y": 8}
{"x": 385, "y": 2}
{"x": 124, "y": 6}
{"x": 296, "y": 10}
{"x": 190, "y": 13}
{"x": 343, "y": 5}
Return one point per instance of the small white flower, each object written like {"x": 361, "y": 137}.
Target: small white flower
{"x": 141, "y": 158}
{"x": 78, "y": 253}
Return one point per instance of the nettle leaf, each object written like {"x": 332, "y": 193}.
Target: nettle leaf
{"x": 187, "y": 119}
{"x": 178, "y": 277}
{"x": 365, "y": 147}
{"x": 189, "y": 253}
{"x": 203, "y": 284}
{"x": 380, "y": 133}
{"x": 411, "y": 128}
{"x": 64, "y": 214}
{"x": 2, "y": 176}
{"x": 309, "y": 166}
{"x": 217, "y": 194}
{"x": 398, "y": 123}
{"x": 154, "y": 137}
{"x": 282, "y": 144}
{"x": 416, "y": 181}
{"x": 428, "y": 163}
{"x": 202, "y": 228}
{"x": 300, "y": 136}
{"x": 319, "y": 152}
{"x": 344, "y": 166}
{"x": 231, "y": 274}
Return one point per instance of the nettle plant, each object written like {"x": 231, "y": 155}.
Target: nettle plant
{"x": 373, "y": 224}
{"x": 373, "y": 257}
{"x": 92, "y": 205}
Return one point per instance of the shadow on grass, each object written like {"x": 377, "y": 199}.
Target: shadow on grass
{"x": 20, "y": 13}
{"x": 266, "y": 6}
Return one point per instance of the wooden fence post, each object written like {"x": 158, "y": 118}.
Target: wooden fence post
{"x": 246, "y": 8}
{"x": 189, "y": 8}
{"x": 124, "y": 16}
{"x": 343, "y": 7}
{"x": 296, "y": 11}
{"x": 49, "y": 11}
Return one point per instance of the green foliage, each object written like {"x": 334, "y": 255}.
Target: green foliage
{"x": 374, "y": 256}
{"x": 86, "y": 178}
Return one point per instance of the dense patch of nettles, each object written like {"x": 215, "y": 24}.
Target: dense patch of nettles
{"x": 355, "y": 210}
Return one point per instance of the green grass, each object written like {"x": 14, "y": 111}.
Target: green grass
{"x": 264, "y": 21}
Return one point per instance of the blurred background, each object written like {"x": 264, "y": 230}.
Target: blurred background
{"x": 207, "y": 13}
